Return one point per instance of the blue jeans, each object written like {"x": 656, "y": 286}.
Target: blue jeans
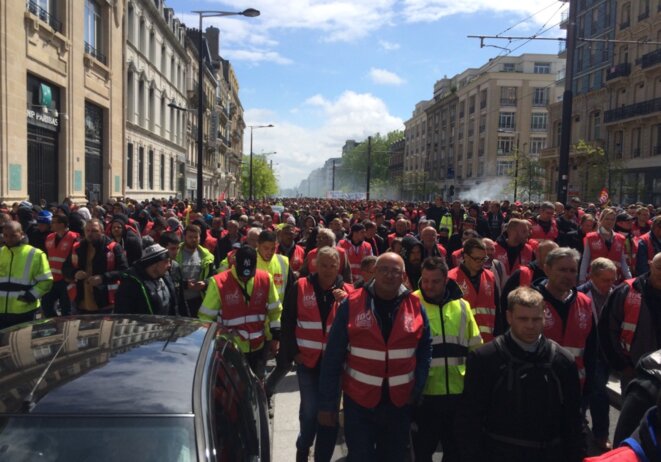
{"x": 381, "y": 433}
{"x": 308, "y": 385}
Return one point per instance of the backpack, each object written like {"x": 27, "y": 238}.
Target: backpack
{"x": 511, "y": 372}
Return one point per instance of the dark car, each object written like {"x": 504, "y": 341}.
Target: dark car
{"x": 128, "y": 388}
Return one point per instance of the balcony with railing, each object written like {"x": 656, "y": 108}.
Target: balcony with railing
{"x": 651, "y": 59}
{"x": 508, "y": 101}
{"x": 44, "y": 15}
{"x": 96, "y": 54}
{"x": 633, "y": 110}
{"x": 618, "y": 70}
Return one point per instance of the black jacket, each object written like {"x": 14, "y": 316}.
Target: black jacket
{"x": 132, "y": 245}
{"x": 543, "y": 405}
{"x": 137, "y": 294}
{"x": 99, "y": 267}
{"x": 646, "y": 338}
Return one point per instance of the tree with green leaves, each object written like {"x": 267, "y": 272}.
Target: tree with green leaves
{"x": 265, "y": 184}
{"x": 353, "y": 173}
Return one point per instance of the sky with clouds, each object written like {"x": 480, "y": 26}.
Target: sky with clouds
{"x": 324, "y": 71}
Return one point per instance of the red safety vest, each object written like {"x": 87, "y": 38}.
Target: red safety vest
{"x": 310, "y": 337}
{"x": 457, "y": 257}
{"x": 574, "y": 334}
{"x": 523, "y": 259}
{"x": 371, "y": 361}
{"x": 57, "y": 254}
{"x": 598, "y": 248}
{"x": 621, "y": 454}
{"x": 631, "y": 314}
{"x": 72, "y": 290}
{"x": 525, "y": 276}
{"x": 210, "y": 242}
{"x": 637, "y": 231}
{"x": 355, "y": 255}
{"x": 539, "y": 233}
{"x": 147, "y": 229}
{"x": 296, "y": 258}
{"x": 482, "y": 303}
{"x": 247, "y": 319}
{"x": 312, "y": 259}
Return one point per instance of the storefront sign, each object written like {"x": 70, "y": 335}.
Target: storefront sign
{"x": 44, "y": 120}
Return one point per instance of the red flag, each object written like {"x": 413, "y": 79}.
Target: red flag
{"x": 603, "y": 196}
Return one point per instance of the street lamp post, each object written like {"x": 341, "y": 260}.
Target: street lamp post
{"x": 251, "y": 13}
{"x": 250, "y": 172}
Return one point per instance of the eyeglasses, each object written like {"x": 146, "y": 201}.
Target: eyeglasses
{"x": 389, "y": 272}
{"x": 478, "y": 259}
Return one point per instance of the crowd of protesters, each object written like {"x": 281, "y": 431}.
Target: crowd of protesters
{"x": 490, "y": 328}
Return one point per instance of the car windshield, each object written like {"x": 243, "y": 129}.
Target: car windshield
{"x": 98, "y": 439}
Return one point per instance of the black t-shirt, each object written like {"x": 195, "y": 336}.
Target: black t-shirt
{"x": 385, "y": 313}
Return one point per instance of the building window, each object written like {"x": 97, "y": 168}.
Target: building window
{"x": 162, "y": 185}
{"x": 152, "y": 109}
{"x": 480, "y": 169}
{"x": 503, "y": 168}
{"x": 595, "y": 126}
{"x": 508, "y": 67}
{"x": 171, "y": 173}
{"x": 506, "y": 120}
{"x": 142, "y": 41}
{"x": 542, "y": 68}
{"x": 508, "y": 96}
{"x": 46, "y": 10}
{"x": 625, "y": 20}
{"x": 643, "y": 10}
{"x": 130, "y": 95}
{"x": 131, "y": 24}
{"x": 538, "y": 121}
{"x": 505, "y": 145}
{"x": 162, "y": 113}
{"x": 150, "y": 169}
{"x": 94, "y": 30}
{"x": 129, "y": 166}
{"x": 540, "y": 97}
{"x": 141, "y": 167}
{"x": 636, "y": 141}
{"x": 618, "y": 137}
{"x": 141, "y": 103}
{"x": 537, "y": 145}
{"x": 152, "y": 47}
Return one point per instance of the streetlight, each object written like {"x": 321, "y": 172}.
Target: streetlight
{"x": 250, "y": 13}
{"x": 251, "y": 127}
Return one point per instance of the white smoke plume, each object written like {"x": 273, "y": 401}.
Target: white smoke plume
{"x": 495, "y": 189}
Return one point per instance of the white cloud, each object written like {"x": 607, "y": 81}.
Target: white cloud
{"x": 389, "y": 46}
{"x": 384, "y": 77}
{"x": 256, "y": 56}
{"x": 301, "y": 149}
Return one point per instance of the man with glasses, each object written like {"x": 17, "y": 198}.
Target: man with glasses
{"x": 379, "y": 351}
{"x": 478, "y": 286}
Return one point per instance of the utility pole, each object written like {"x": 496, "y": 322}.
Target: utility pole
{"x": 369, "y": 165}
{"x": 333, "y": 185}
{"x": 565, "y": 133}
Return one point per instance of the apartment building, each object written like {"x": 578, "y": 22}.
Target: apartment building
{"x": 484, "y": 122}
{"x": 156, "y": 72}
{"x": 595, "y": 26}
{"x": 61, "y": 62}
{"x": 416, "y": 160}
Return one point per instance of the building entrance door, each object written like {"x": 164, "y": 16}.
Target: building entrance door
{"x": 42, "y": 164}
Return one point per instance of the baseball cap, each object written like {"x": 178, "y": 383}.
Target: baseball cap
{"x": 246, "y": 261}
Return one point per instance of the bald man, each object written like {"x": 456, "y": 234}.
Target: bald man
{"x": 379, "y": 350}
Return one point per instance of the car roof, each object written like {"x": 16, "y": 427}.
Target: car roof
{"x": 118, "y": 364}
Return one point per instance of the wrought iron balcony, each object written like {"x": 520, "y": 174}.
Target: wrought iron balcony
{"x": 619, "y": 70}
{"x": 633, "y": 110}
{"x": 650, "y": 59}
{"x": 96, "y": 54}
{"x": 44, "y": 15}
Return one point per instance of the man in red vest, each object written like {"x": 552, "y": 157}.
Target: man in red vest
{"x": 630, "y": 323}
{"x": 308, "y": 313}
{"x": 356, "y": 248}
{"x": 511, "y": 248}
{"x": 649, "y": 245}
{"x": 478, "y": 286}
{"x": 379, "y": 349}
{"x": 289, "y": 248}
{"x": 59, "y": 245}
{"x": 545, "y": 226}
{"x": 568, "y": 318}
{"x": 245, "y": 300}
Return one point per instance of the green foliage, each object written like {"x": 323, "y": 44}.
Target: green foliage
{"x": 265, "y": 184}
{"x": 592, "y": 169}
{"x": 352, "y": 175}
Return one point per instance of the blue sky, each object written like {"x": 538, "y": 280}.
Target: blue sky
{"x": 324, "y": 71}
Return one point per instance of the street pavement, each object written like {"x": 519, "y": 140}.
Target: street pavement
{"x": 285, "y": 423}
